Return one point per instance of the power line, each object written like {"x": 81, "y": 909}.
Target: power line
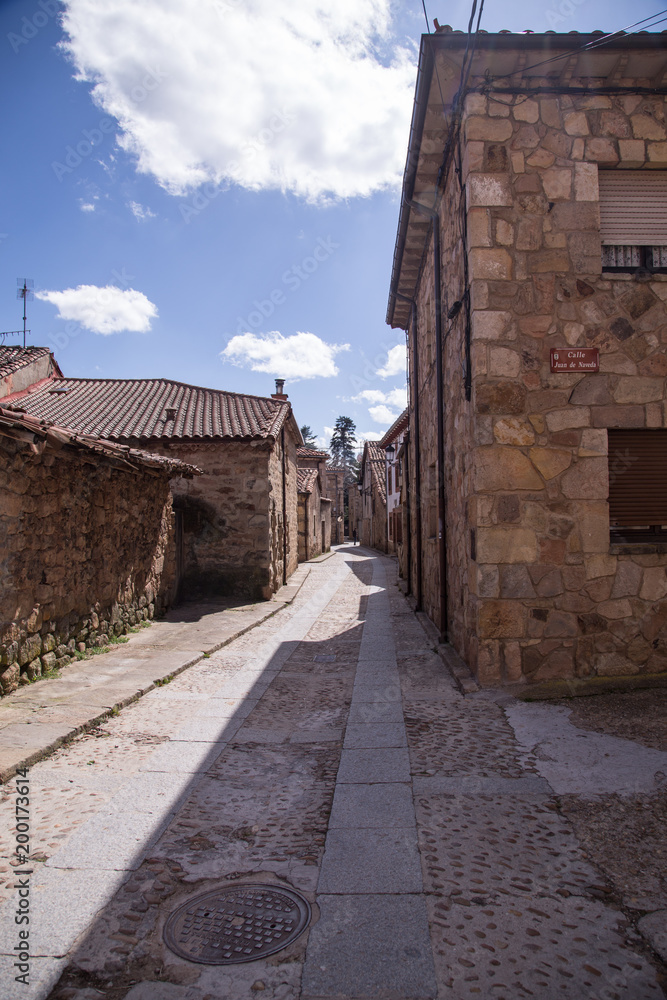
{"x": 428, "y": 27}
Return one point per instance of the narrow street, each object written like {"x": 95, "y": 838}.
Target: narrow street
{"x": 328, "y": 751}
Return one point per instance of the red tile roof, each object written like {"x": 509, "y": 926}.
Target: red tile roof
{"x": 306, "y": 479}
{"x": 399, "y": 425}
{"x": 13, "y": 358}
{"x": 306, "y": 452}
{"x": 144, "y": 409}
{"x": 375, "y": 456}
{"x": 41, "y": 434}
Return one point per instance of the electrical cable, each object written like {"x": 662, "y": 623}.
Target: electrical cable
{"x": 428, "y": 29}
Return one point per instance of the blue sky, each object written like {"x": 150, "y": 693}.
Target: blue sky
{"x": 183, "y": 178}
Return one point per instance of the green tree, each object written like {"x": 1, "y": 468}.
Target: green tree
{"x": 308, "y": 436}
{"x": 343, "y": 442}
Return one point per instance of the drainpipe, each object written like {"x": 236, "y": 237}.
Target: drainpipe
{"x": 307, "y": 522}
{"x": 440, "y": 415}
{"x": 414, "y": 432}
{"x": 282, "y": 445}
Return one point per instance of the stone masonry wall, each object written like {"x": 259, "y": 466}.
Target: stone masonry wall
{"x": 226, "y": 517}
{"x": 549, "y": 596}
{"x": 286, "y": 520}
{"x": 86, "y": 551}
{"x": 310, "y": 524}
{"x": 458, "y": 432}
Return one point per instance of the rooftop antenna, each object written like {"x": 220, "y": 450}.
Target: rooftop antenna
{"x": 25, "y": 292}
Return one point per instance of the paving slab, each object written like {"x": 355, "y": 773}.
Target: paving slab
{"x": 382, "y": 806}
{"x": 369, "y": 860}
{"x": 374, "y": 735}
{"x": 368, "y": 766}
{"x": 370, "y": 946}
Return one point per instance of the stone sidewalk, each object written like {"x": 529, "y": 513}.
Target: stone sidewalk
{"x": 329, "y": 751}
{"x": 58, "y": 708}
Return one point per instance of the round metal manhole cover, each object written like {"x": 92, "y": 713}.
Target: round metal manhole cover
{"x": 239, "y": 923}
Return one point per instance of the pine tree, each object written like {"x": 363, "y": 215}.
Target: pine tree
{"x": 343, "y": 441}
{"x": 308, "y": 437}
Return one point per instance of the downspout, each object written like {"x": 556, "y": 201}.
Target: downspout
{"x": 418, "y": 479}
{"x": 282, "y": 445}
{"x": 305, "y": 527}
{"x": 440, "y": 415}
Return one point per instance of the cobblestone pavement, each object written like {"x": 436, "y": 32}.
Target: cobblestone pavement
{"x": 329, "y": 751}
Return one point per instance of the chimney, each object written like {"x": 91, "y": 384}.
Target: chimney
{"x": 279, "y": 394}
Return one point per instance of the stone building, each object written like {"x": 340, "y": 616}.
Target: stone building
{"x": 237, "y": 523}
{"x": 531, "y": 275}
{"x": 372, "y": 490}
{"x": 87, "y": 543}
{"x": 24, "y": 366}
{"x": 335, "y": 487}
{"x": 314, "y": 515}
{"x": 391, "y": 445}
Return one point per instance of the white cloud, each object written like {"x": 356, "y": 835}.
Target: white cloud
{"x": 382, "y": 414}
{"x": 394, "y": 397}
{"x": 302, "y": 355}
{"x": 368, "y": 436}
{"x": 395, "y": 362}
{"x": 103, "y": 310}
{"x": 312, "y": 97}
{"x": 139, "y": 212}
{"x": 87, "y": 206}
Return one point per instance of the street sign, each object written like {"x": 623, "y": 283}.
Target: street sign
{"x": 579, "y": 359}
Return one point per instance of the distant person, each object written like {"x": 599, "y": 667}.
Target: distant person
{"x": 354, "y": 534}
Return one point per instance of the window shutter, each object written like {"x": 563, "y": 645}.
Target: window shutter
{"x": 637, "y": 478}
{"x": 633, "y": 207}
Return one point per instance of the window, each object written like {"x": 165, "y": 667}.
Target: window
{"x": 637, "y": 485}
{"x": 633, "y": 220}
{"x": 389, "y": 489}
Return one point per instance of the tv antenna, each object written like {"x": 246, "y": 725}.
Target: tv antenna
{"x": 25, "y": 292}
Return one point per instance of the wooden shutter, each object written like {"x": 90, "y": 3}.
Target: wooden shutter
{"x": 637, "y": 477}
{"x": 633, "y": 207}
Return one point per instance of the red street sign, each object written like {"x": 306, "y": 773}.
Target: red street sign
{"x": 575, "y": 359}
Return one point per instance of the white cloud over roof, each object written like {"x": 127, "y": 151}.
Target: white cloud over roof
{"x": 394, "y": 397}
{"x": 395, "y": 362}
{"x": 103, "y": 309}
{"x": 382, "y": 414}
{"x": 311, "y": 97}
{"x": 299, "y": 356}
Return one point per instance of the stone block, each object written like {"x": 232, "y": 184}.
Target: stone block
{"x": 588, "y": 479}
{"x": 504, "y": 233}
{"x": 615, "y": 609}
{"x": 526, "y": 111}
{"x": 561, "y": 623}
{"x": 549, "y": 260}
{"x": 512, "y": 431}
{"x": 541, "y": 158}
{"x": 489, "y": 189}
{"x": 592, "y": 389}
{"x": 506, "y": 545}
{"x": 478, "y": 228}
{"x": 550, "y": 462}
{"x": 507, "y": 397}
{"x": 491, "y": 264}
{"x": 557, "y": 183}
{"x": 29, "y": 649}
{"x": 644, "y": 126}
{"x": 504, "y": 362}
{"x": 501, "y": 620}
{"x": 601, "y": 150}
{"x": 488, "y": 129}
{"x": 487, "y": 581}
{"x": 550, "y": 112}
{"x": 631, "y": 152}
{"x": 593, "y": 524}
{"x": 600, "y": 565}
{"x": 529, "y": 234}
{"x": 627, "y": 580}
{"x": 657, "y": 152}
{"x": 503, "y": 468}
{"x": 654, "y": 584}
{"x": 655, "y": 364}
{"x": 558, "y": 420}
{"x": 618, "y": 416}
{"x": 639, "y": 389}
{"x": 488, "y": 324}
{"x": 515, "y": 582}
{"x": 33, "y": 669}
{"x": 9, "y": 679}
{"x": 575, "y": 123}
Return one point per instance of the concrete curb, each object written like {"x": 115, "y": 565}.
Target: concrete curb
{"x": 281, "y": 599}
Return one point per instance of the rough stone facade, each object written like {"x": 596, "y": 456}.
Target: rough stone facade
{"x": 372, "y": 475}
{"x": 314, "y": 517}
{"x": 87, "y": 550}
{"x": 232, "y": 520}
{"x": 536, "y": 588}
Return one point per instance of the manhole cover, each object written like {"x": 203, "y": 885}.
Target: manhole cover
{"x": 237, "y": 924}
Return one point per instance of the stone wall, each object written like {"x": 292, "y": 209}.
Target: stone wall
{"x": 286, "y": 520}
{"x": 87, "y": 551}
{"x": 550, "y": 596}
{"x": 310, "y": 524}
{"x": 225, "y": 516}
